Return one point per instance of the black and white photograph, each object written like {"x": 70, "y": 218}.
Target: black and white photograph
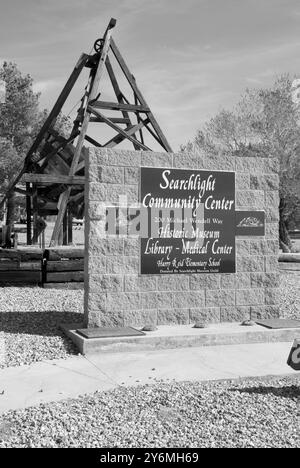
{"x": 149, "y": 227}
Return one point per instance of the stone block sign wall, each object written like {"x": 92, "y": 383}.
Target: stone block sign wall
{"x": 117, "y": 295}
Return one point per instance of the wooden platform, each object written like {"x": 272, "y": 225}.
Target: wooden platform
{"x": 21, "y": 266}
{"x": 63, "y": 266}
{"x": 60, "y": 268}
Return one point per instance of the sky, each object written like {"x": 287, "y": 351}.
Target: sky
{"x": 191, "y": 58}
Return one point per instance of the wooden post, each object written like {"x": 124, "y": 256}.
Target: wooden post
{"x": 65, "y": 229}
{"x": 35, "y": 212}
{"x": 70, "y": 227}
{"x": 140, "y": 97}
{"x": 64, "y": 197}
{"x": 28, "y": 212}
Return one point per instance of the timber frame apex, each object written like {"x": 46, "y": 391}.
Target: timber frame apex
{"x": 53, "y": 168}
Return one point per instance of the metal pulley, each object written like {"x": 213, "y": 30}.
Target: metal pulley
{"x": 98, "y": 45}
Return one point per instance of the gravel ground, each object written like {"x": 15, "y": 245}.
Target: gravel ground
{"x": 30, "y": 318}
{"x": 247, "y": 413}
{"x": 290, "y": 295}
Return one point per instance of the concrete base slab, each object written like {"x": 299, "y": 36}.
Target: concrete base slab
{"x": 180, "y": 336}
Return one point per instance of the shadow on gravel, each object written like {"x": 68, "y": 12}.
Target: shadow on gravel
{"x": 291, "y": 391}
{"x": 37, "y": 323}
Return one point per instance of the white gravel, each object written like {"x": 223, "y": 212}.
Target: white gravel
{"x": 290, "y": 295}
{"x": 248, "y": 413}
{"x": 30, "y": 319}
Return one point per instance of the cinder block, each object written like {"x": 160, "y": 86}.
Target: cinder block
{"x": 96, "y": 157}
{"x": 205, "y": 314}
{"x": 188, "y": 160}
{"x": 264, "y": 182}
{"x": 250, "y": 297}
{"x": 265, "y": 280}
{"x": 131, "y": 246}
{"x": 271, "y": 263}
{"x": 100, "y": 319}
{"x": 272, "y": 214}
{"x": 228, "y": 281}
{"x": 173, "y": 283}
{"x": 272, "y": 296}
{"x": 132, "y": 175}
{"x": 250, "y": 198}
{"x": 96, "y": 300}
{"x": 117, "y": 157}
{"x": 242, "y": 181}
{"x": 140, "y": 283}
{"x": 242, "y": 247}
{"x": 219, "y": 298}
{"x": 250, "y": 263}
{"x": 122, "y": 301}
{"x": 264, "y": 247}
{"x": 96, "y": 266}
{"x": 106, "y": 246}
{"x": 250, "y": 165}
{"x": 272, "y": 198}
{"x": 97, "y": 192}
{"x": 122, "y": 265}
{"x": 173, "y": 317}
{"x": 107, "y": 283}
{"x": 265, "y": 312}
{"x": 152, "y": 300}
{"x": 191, "y": 299}
{"x": 271, "y": 166}
{"x": 204, "y": 281}
{"x": 140, "y": 318}
{"x": 242, "y": 280}
{"x": 111, "y": 175}
{"x": 219, "y": 162}
{"x": 153, "y": 159}
{"x": 235, "y": 314}
{"x": 95, "y": 173}
{"x": 272, "y": 230}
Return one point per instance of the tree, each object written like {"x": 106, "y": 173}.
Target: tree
{"x": 19, "y": 120}
{"x": 265, "y": 123}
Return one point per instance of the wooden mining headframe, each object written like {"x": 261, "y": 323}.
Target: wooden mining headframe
{"x": 53, "y": 170}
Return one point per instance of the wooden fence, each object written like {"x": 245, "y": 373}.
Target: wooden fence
{"x": 50, "y": 268}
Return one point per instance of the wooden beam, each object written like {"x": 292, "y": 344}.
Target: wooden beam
{"x": 59, "y": 103}
{"x": 64, "y": 197}
{"x": 28, "y": 213}
{"x": 131, "y": 81}
{"x": 140, "y": 120}
{"x": 119, "y": 106}
{"x": 117, "y": 120}
{"x": 18, "y": 190}
{"x": 119, "y": 95}
{"x": 61, "y": 146}
{"x": 70, "y": 227}
{"x": 65, "y": 229}
{"x": 80, "y": 166}
{"x": 120, "y": 130}
{"x": 119, "y": 138}
{"x": 35, "y": 213}
{"x": 77, "y": 197}
{"x": 94, "y": 142}
{"x": 50, "y": 179}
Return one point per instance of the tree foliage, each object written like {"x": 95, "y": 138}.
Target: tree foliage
{"x": 20, "y": 121}
{"x": 264, "y": 123}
